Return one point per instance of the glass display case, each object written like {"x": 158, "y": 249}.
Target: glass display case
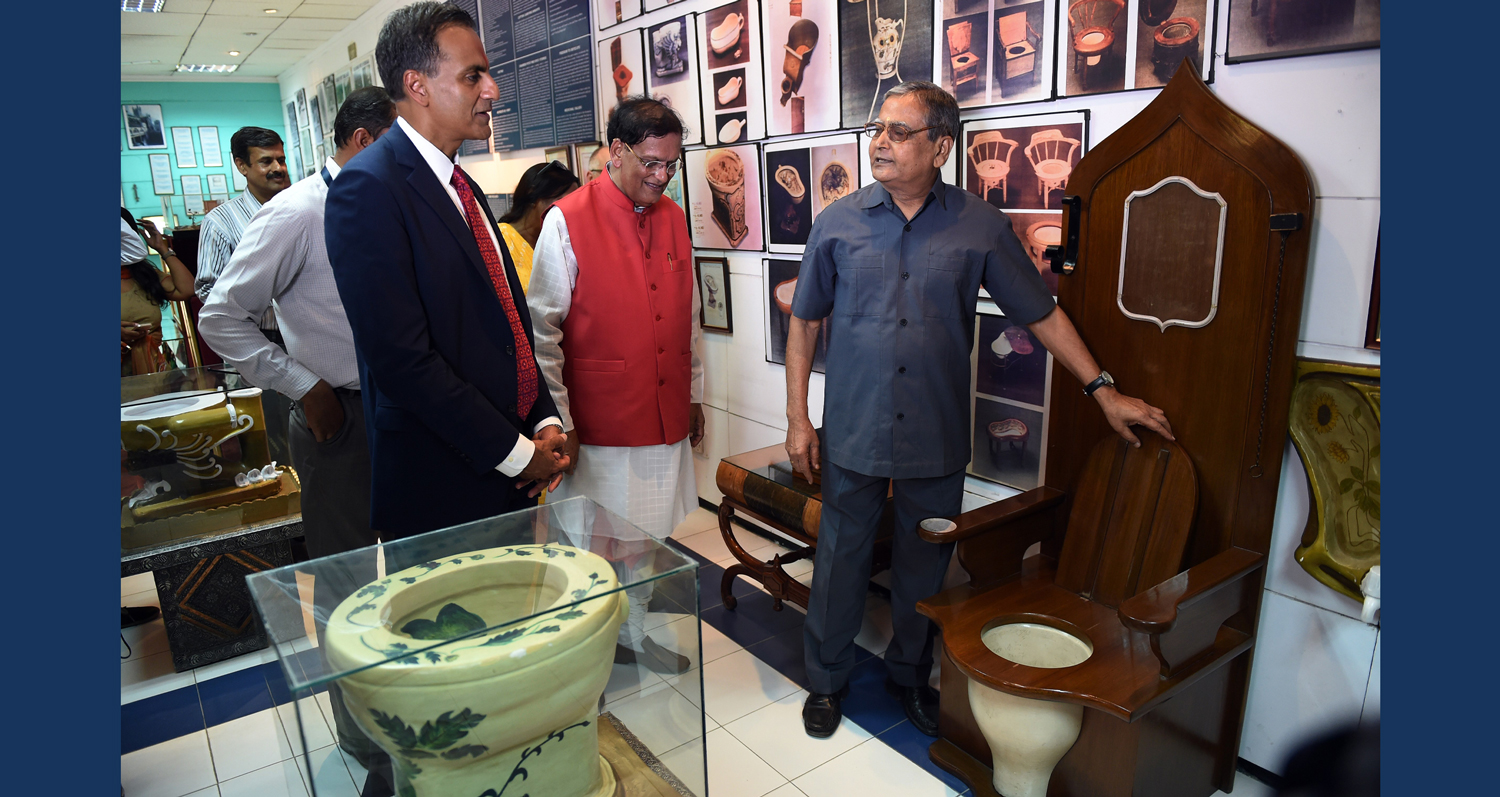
{"x": 206, "y": 497}
{"x": 554, "y": 651}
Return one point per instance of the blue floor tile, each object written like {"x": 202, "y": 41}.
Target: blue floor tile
{"x": 868, "y": 704}
{"x": 238, "y": 694}
{"x": 159, "y": 719}
{"x": 785, "y": 653}
{"x": 752, "y": 620}
{"x": 913, "y": 744}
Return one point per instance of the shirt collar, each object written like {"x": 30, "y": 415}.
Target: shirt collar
{"x": 332, "y": 166}
{"x": 880, "y": 196}
{"x": 441, "y": 164}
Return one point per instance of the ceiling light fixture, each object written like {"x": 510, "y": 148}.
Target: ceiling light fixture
{"x": 207, "y": 67}
{"x": 141, "y": 5}
{"x": 270, "y": 11}
{"x": 234, "y": 52}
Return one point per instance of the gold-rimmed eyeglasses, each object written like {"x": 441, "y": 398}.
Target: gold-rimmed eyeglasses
{"x": 651, "y": 166}
{"x": 898, "y": 133}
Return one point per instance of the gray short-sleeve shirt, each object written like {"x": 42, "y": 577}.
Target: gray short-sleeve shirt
{"x": 900, "y": 299}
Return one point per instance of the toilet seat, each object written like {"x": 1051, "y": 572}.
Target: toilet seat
{"x": 364, "y": 634}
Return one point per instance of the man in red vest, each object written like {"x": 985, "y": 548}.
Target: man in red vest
{"x": 614, "y": 311}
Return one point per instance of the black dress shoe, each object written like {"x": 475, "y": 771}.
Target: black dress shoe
{"x": 131, "y": 616}
{"x": 822, "y": 713}
{"x": 920, "y": 704}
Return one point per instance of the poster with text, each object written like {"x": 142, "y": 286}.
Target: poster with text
{"x": 802, "y": 178}
{"x": 883, "y": 43}
{"x": 801, "y": 55}
{"x": 542, "y": 59}
{"x": 621, "y": 65}
{"x": 672, "y": 72}
{"x": 723, "y": 193}
{"x": 1012, "y": 375}
{"x": 734, "y": 108}
{"x": 610, "y": 13}
{"x": 996, "y": 52}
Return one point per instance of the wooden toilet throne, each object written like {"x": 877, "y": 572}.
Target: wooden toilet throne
{"x": 1184, "y": 251}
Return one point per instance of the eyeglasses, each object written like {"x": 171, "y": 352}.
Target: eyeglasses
{"x": 651, "y": 166}
{"x": 897, "y": 133}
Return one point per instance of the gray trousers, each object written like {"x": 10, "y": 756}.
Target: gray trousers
{"x": 852, "y": 504}
{"x": 335, "y": 478}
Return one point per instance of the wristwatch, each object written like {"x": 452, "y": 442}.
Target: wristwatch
{"x": 1103, "y": 379}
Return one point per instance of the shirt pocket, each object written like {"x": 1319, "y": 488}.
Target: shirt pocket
{"x": 861, "y": 286}
{"x": 944, "y": 287}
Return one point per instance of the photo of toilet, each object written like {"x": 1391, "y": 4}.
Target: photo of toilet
{"x": 729, "y": 89}
{"x": 780, "y": 281}
{"x": 882, "y": 44}
{"x": 788, "y": 207}
{"x": 728, "y": 38}
{"x": 996, "y": 52}
{"x": 724, "y": 190}
{"x": 671, "y": 64}
{"x": 1038, "y": 230}
{"x": 801, "y": 66}
{"x": 1012, "y": 373}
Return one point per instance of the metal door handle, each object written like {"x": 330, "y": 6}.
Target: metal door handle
{"x": 1065, "y": 260}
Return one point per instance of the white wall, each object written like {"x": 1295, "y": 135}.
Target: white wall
{"x": 1316, "y": 664}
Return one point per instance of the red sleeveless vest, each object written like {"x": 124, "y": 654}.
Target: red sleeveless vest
{"x": 627, "y": 356}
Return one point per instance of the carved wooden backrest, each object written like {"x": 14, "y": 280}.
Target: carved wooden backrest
{"x": 1186, "y": 294}
{"x": 1131, "y": 514}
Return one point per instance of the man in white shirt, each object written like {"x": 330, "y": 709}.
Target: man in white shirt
{"x": 282, "y": 262}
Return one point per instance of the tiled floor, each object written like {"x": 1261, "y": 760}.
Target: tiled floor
{"x": 230, "y": 729}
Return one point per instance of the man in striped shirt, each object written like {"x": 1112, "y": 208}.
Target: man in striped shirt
{"x": 259, "y": 156}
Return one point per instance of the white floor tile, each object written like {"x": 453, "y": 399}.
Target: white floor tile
{"x": 146, "y": 639}
{"x": 170, "y": 769}
{"x": 248, "y": 744}
{"x": 698, "y": 520}
{"x": 325, "y": 703}
{"x": 628, "y": 679}
{"x": 655, "y": 620}
{"x": 872, "y": 770}
{"x": 773, "y": 733}
{"x": 740, "y": 683}
{"x": 716, "y": 645}
{"x": 709, "y": 544}
{"x": 276, "y": 780}
{"x": 152, "y": 675}
{"x": 148, "y": 597}
{"x": 139, "y": 582}
{"x": 789, "y": 790}
{"x": 313, "y": 725}
{"x": 661, "y": 717}
{"x": 800, "y": 570}
{"x": 735, "y": 771}
{"x": 759, "y": 549}
{"x": 686, "y": 762}
{"x": 680, "y": 635}
{"x": 356, "y": 770}
{"x": 329, "y": 774}
{"x": 211, "y": 791}
{"x": 255, "y": 658}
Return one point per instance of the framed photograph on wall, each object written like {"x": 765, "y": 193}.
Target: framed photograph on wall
{"x": 609, "y": 13}
{"x": 302, "y": 114}
{"x": 208, "y": 139}
{"x": 779, "y": 284}
{"x": 1012, "y": 380}
{"x": 315, "y": 111}
{"x": 330, "y": 106}
{"x": 563, "y": 155}
{"x": 182, "y": 145}
{"x": 161, "y": 174}
{"x": 340, "y": 88}
{"x": 218, "y": 186}
{"x": 671, "y": 72}
{"x": 734, "y": 108}
{"x": 883, "y": 43}
{"x": 621, "y": 67}
{"x": 1122, "y": 45}
{"x": 144, "y": 126}
{"x": 715, "y": 312}
{"x": 723, "y": 193}
{"x": 238, "y": 180}
{"x": 362, "y": 74}
{"x": 583, "y": 154}
{"x": 997, "y": 52}
{"x": 1263, "y": 29}
{"x": 801, "y": 62}
{"x": 802, "y": 178}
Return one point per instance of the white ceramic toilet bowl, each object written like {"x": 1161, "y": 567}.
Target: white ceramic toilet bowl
{"x": 1027, "y": 737}
{"x": 462, "y": 718}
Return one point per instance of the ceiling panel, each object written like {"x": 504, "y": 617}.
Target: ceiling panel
{"x": 329, "y": 11}
{"x": 141, "y": 48}
{"x": 159, "y": 24}
{"x": 253, "y": 8}
{"x": 323, "y": 27}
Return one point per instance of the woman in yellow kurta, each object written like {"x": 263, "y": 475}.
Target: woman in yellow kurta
{"x": 143, "y": 291}
{"x": 541, "y": 185}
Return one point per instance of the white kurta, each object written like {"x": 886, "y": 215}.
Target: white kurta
{"x": 653, "y": 487}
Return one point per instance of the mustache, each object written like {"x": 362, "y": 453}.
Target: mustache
{"x": 275, "y": 175}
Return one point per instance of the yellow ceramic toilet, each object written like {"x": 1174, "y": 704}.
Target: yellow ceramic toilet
{"x": 518, "y": 701}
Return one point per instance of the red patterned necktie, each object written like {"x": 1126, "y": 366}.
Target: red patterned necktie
{"x": 478, "y": 224}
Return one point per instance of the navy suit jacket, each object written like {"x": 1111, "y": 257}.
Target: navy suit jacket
{"x": 437, "y": 358}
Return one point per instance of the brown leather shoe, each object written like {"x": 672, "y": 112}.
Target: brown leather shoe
{"x": 822, "y": 713}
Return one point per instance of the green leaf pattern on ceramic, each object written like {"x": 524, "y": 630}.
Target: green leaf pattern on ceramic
{"x": 452, "y": 621}
{"x": 434, "y": 739}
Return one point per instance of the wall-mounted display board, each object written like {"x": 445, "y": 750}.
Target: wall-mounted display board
{"x": 1119, "y": 45}
{"x": 714, "y": 310}
{"x": 208, "y": 139}
{"x": 1012, "y": 375}
{"x": 621, "y": 64}
{"x": 883, "y": 44}
{"x": 1021, "y": 165}
{"x": 671, "y": 71}
{"x": 541, "y": 57}
{"x": 723, "y": 193}
{"x": 734, "y": 108}
{"x": 341, "y": 87}
{"x": 1262, "y": 29}
{"x": 996, "y": 52}
{"x": 801, "y": 63}
{"x": 363, "y": 73}
{"x": 182, "y": 144}
{"x": 144, "y": 126}
{"x": 302, "y": 113}
{"x": 779, "y": 286}
{"x": 161, "y": 174}
{"x": 328, "y": 98}
{"x": 610, "y": 13}
{"x": 803, "y": 177}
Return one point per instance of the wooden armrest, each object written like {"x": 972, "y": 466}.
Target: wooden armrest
{"x": 995, "y": 516}
{"x": 1185, "y": 615}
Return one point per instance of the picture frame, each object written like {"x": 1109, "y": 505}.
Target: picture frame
{"x": 725, "y": 213}
{"x": 237, "y": 180}
{"x": 882, "y": 45}
{"x": 1138, "y": 48}
{"x": 315, "y": 112}
{"x": 802, "y": 90}
{"x": 729, "y": 44}
{"x": 582, "y": 154}
{"x": 1010, "y": 393}
{"x": 161, "y": 174}
{"x": 802, "y": 178}
{"x": 1261, "y": 30}
{"x": 670, "y": 68}
{"x": 1001, "y": 52}
{"x": 330, "y": 106}
{"x": 144, "y": 125}
{"x": 362, "y": 74}
{"x": 715, "y": 310}
{"x": 609, "y": 13}
{"x": 191, "y": 184}
{"x": 182, "y": 146}
{"x": 302, "y": 114}
{"x": 218, "y": 186}
{"x": 213, "y": 153}
{"x": 341, "y": 87}
{"x": 779, "y": 281}
{"x": 621, "y": 72}
{"x": 563, "y": 155}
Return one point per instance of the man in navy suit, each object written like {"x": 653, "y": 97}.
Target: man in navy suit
{"x": 461, "y": 423}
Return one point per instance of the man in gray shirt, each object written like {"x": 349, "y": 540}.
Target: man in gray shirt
{"x": 896, "y": 269}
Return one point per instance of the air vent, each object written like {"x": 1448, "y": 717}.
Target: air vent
{"x": 147, "y": 6}
{"x": 207, "y": 67}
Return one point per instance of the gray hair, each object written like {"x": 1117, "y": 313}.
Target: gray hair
{"x": 940, "y": 106}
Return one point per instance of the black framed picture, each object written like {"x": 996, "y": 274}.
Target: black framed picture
{"x": 144, "y": 128}
{"x": 1260, "y": 30}
{"x": 714, "y": 311}
{"x": 779, "y": 279}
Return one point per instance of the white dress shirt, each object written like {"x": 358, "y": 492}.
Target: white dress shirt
{"x": 282, "y": 261}
{"x": 442, "y": 167}
{"x": 653, "y": 487}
